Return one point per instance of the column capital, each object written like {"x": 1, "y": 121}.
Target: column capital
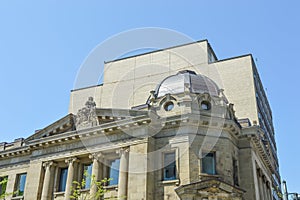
{"x": 49, "y": 164}
{"x": 71, "y": 160}
{"x": 122, "y": 150}
{"x": 96, "y": 156}
{"x": 259, "y": 172}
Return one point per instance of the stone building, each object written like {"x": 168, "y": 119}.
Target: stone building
{"x": 170, "y": 124}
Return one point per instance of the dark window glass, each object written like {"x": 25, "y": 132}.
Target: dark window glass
{"x": 87, "y": 175}
{"x": 169, "y": 106}
{"x": 235, "y": 172}
{"x": 114, "y": 172}
{"x": 208, "y": 164}
{"x": 205, "y": 105}
{"x": 169, "y": 166}
{"x": 21, "y": 181}
{"x": 63, "y": 179}
{"x": 3, "y": 184}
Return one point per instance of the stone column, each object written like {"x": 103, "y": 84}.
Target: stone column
{"x": 96, "y": 172}
{"x": 260, "y": 184}
{"x": 264, "y": 187}
{"x": 70, "y": 162}
{"x": 47, "y": 189}
{"x": 269, "y": 191}
{"x": 105, "y": 173}
{"x": 123, "y": 173}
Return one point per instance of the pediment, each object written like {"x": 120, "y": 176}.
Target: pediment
{"x": 209, "y": 187}
{"x": 67, "y": 123}
{"x": 62, "y": 125}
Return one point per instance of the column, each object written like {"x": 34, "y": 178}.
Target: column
{"x": 47, "y": 188}
{"x": 96, "y": 172}
{"x": 264, "y": 187}
{"x": 70, "y": 162}
{"x": 269, "y": 190}
{"x": 260, "y": 184}
{"x": 123, "y": 173}
{"x": 105, "y": 168}
{"x": 10, "y": 187}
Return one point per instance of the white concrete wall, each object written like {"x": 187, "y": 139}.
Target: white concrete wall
{"x": 128, "y": 82}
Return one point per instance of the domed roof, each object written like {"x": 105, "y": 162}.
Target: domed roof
{"x": 195, "y": 82}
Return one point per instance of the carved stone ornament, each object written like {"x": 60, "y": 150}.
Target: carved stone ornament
{"x": 87, "y": 117}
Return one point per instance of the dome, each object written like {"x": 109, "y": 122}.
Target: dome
{"x": 195, "y": 82}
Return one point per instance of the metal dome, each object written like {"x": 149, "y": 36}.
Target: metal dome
{"x": 195, "y": 82}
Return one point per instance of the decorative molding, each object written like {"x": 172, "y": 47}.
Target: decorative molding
{"x": 87, "y": 117}
{"x": 122, "y": 150}
{"x": 49, "y": 164}
{"x": 71, "y": 160}
{"x": 97, "y": 156}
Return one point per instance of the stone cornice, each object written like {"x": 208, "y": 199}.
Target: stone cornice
{"x": 59, "y": 126}
{"x": 19, "y": 151}
{"x": 123, "y": 124}
{"x": 263, "y": 153}
{"x": 204, "y": 121}
{"x": 255, "y": 135}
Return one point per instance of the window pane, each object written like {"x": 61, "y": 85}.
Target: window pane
{"x": 87, "y": 175}
{"x": 114, "y": 172}
{"x": 63, "y": 179}
{"x": 208, "y": 163}
{"x": 169, "y": 166}
{"x": 235, "y": 172}
{"x": 21, "y": 184}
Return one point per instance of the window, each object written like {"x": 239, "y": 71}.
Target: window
{"x": 235, "y": 172}
{"x": 114, "y": 172}
{"x": 3, "y": 184}
{"x": 169, "y": 106}
{"x": 209, "y": 163}
{"x": 169, "y": 171}
{"x": 87, "y": 175}
{"x": 63, "y": 179}
{"x": 20, "y": 187}
{"x": 205, "y": 105}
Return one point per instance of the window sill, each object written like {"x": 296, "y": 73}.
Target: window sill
{"x": 111, "y": 187}
{"x": 59, "y": 194}
{"x": 175, "y": 181}
{"x": 206, "y": 176}
{"x": 18, "y": 198}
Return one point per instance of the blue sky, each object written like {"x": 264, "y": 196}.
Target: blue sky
{"x": 43, "y": 44}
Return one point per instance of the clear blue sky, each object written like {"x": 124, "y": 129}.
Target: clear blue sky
{"x": 43, "y": 44}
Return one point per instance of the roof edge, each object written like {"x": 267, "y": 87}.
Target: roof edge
{"x": 158, "y": 50}
{"x": 87, "y": 87}
{"x": 235, "y": 57}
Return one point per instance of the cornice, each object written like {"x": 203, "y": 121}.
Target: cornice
{"x": 117, "y": 126}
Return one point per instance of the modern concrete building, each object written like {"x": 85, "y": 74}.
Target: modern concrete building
{"x": 170, "y": 124}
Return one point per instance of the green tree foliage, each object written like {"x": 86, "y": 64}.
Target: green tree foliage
{"x": 79, "y": 194}
{"x": 3, "y": 185}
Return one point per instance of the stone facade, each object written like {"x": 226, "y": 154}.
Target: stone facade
{"x": 163, "y": 126}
